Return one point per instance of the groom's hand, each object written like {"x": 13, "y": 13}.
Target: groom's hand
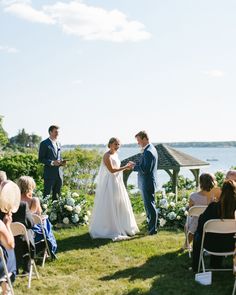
{"x": 132, "y": 164}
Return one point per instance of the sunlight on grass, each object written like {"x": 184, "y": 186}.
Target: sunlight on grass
{"x": 141, "y": 265}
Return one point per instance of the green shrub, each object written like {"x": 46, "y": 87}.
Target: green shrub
{"x": 183, "y": 184}
{"x": 16, "y": 165}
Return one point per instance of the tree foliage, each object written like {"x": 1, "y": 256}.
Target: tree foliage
{"x": 24, "y": 139}
{"x": 3, "y": 134}
{"x": 81, "y": 169}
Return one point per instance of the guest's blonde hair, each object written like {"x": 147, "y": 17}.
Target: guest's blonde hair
{"x": 3, "y": 176}
{"x": 26, "y": 184}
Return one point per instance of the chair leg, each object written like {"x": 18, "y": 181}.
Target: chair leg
{"x": 234, "y": 289}
{"x": 203, "y": 264}
{"x": 10, "y": 285}
{"x": 30, "y": 275}
{"x": 200, "y": 262}
{"x": 35, "y": 269}
{"x": 45, "y": 255}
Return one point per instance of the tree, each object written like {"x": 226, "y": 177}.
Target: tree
{"x": 3, "y": 134}
{"x": 24, "y": 139}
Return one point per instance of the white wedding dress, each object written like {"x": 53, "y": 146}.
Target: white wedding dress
{"x": 112, "y": 216}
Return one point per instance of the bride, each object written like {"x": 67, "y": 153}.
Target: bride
{"x": 112, "y": 216}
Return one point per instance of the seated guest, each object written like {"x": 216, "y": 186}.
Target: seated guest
{"x": 223, "y": 209}
{"x": 27, "y": 186}
{"x": 7, "y": 244}
{"x": 231, "y": 174}
{"x": 24, "y": 216}
{"x": 6, "y": 237}
{"x": 3, "y": 176}
{"x": 208, "y": 193}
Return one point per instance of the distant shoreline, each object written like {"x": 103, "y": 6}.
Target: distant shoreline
{"x": 200, "y": 144}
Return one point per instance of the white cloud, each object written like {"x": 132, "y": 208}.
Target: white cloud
{"x": 80, "y": 19}
{"x": 77, "y": 82}
{"x": 214, "y": 73}
{"x": 27, "y": 12}
{"x": 10, "y": 2}
{"x": 8, "y": 49}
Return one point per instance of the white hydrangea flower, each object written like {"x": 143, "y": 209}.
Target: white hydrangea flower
{"x": 75, "y": 218}
{"x": 77, "y": 209}
{"x": 86, "y": 218}
{"x": 164, "y": 203}
{"x": 75, "y": 195}
{"x": 45, "y": 206}
{"x": 88, "y": 213}
{"x": 171, "y": 215}
{"x": 66, "y": 220}
{"x": 184, "y": 200}
{"x": 70, "y": 202}
{"x": 186, "y": 213}
{"x": 68, "y": 208}
{"x": 162, "y": 222}
{"x": 178, "y": 217}
{"x": 172, "y": 204}
{"x": 183, "y": 209}
{"x": 53, "y": 216}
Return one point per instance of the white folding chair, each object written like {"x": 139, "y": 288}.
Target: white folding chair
{"x": 7, "y": 276}
{"x": 18, "y": 229}
{"x": 218, "y": 226}
{"x": 194, "y": 211}
{"x": 38, "y": 220}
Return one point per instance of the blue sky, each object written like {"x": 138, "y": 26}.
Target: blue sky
{"x": 111, "y": 68}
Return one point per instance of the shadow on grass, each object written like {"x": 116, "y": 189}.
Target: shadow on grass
{"x": 83, "y": 241}
{"x": 169, "y": 275}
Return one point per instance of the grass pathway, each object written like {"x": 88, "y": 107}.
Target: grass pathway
{"x": 143, "y": 265}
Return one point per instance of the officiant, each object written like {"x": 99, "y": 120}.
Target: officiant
{"x": 50, "y": 156}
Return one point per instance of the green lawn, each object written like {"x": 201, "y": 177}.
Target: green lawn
{"x": 142, "y": 265}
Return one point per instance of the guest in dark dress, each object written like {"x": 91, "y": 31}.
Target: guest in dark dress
{"x": 224, "y": 209}
{"x": 23, "y": 215}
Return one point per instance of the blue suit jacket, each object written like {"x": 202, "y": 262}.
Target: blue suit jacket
{"x": 47, "y": 154}
{"x": 147, "y": 169}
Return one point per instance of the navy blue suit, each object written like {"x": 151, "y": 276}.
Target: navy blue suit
{"x": 53, "y": 175}
{"x": 147, "y": 183}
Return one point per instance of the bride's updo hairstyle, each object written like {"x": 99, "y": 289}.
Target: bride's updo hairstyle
{"x": 112, "y": 140}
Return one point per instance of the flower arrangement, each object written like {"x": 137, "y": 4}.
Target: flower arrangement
{"x": 70, "y": 208}
{"x": 170, "y": 213}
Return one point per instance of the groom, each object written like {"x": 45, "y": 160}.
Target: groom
{"x": 147, "y": 179}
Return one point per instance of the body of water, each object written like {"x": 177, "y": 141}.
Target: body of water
{"x": 222, "y": 159}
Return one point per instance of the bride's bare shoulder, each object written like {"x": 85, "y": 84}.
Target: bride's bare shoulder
{"x": 106, "y": 156}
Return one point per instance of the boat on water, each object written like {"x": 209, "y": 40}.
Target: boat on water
{"x": 212, "y": 159}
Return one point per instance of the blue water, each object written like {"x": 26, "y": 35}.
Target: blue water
{"x": 226, "y": 158}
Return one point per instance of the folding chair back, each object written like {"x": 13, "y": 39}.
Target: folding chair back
{"x": 220, "y": 226}
{"x": 7, "y": 275}
{"x": 38, "y": 220}
{"x": 194, "y": 211}
{"x": 18, "y": 229}
{"x": 217, "y": 226}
